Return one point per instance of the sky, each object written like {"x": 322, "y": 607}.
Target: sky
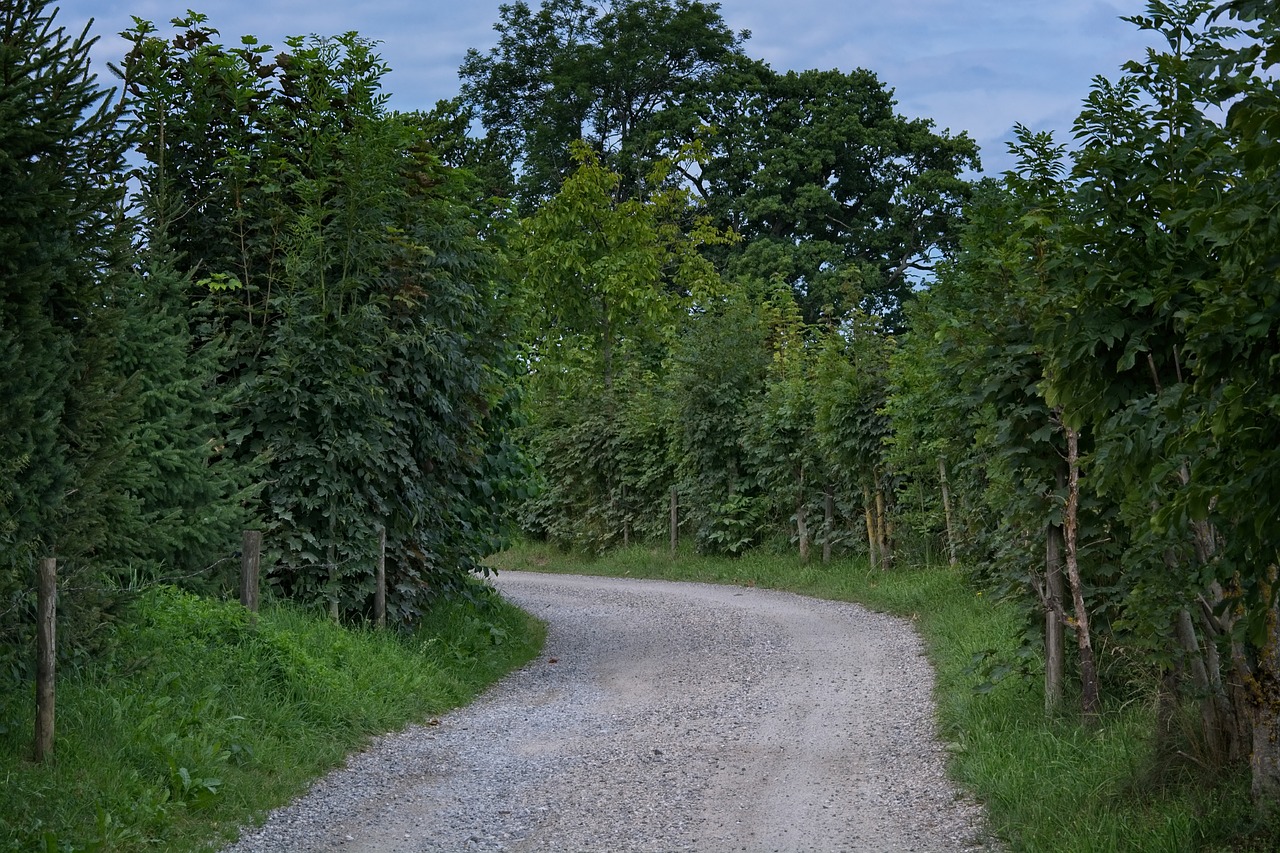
{"x": 978, "y": 66}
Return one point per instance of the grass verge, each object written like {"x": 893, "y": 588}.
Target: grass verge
{"x": 1049, "y": 784}
{"x": 196, "y": 722}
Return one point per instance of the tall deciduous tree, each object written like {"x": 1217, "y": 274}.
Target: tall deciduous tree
{"x": 621, "y": 76}
{"x": 605, "y": 285}
{"x": 831, "y": 189}
{"x": 344, "y": 260}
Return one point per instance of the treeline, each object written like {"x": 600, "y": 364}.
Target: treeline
{"x": 1097, "y": 364}
{"x": 237, "y": 291}
{"x": 713, "y": 260}
{"x": 1079, "y": 399}
{"x": 660, "y": 265}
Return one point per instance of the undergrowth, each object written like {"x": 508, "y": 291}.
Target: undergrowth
{"x": 1049, "y": 784}
{"x": 197, "y": 720}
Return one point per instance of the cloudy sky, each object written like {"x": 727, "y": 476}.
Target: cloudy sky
{"x": 973, "y": 65}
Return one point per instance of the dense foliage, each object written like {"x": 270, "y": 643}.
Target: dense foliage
{"x": 766, "y": 298}
{"x": 1078, "y": 404}
{"x": 1107, "y": 319}
{"x": 278, "y": 313}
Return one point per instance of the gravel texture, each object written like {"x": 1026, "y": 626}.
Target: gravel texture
{"x": 662, "y": 717}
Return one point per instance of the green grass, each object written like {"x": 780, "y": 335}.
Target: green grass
{"x": 1048, "y": 784}
{"x": 197, "y": 722}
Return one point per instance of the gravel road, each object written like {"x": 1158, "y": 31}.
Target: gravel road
{"x": 662, "y": 717}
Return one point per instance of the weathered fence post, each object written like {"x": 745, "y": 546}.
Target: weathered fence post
{"x": 675, "y": 520}
{"x": 250, "y": 563}
{"x": 46, "y": 656}
{"x": 380, "y": 581}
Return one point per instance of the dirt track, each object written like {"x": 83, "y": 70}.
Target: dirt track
{"x": 663, "y": 717}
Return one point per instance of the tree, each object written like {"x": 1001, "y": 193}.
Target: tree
{"x": 605, "y": 283}
{"x": 830, "y": 189}
{"x": 718, "y": 364}
{"x": 620, "y": 76}
{"x": 62, "y": 422}
{"x": 851, "y": 392}
{"x": 782, "y": 437}
{"x": 368, "y": 318}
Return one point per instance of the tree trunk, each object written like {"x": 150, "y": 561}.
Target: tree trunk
{"x": 869, "y": 508}
{"x": 802, "y": 529}
{"x": 1188, "y": 640}
{"x": 1071, "y": 525}
{"x": 380, "y": 580}
{"x": 828, "y": 522}
{"x": 1230, "y": 695}
{"x": 946, "y": 509}
{"x": 46, "y": 657}
{"x": 1054, "y": 627}
{"x": 882, "y": 525}
{"x": 675, "y": 520}
{"x": 626, "y": 520}
{"x": 1265, "y": 758}
{"x": 335, "y": 612}
{"x": 1167, "y": 705}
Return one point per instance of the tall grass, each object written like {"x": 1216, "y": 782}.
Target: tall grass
{"x": 1049, "y": 784}
{"x": 196, "y": 721}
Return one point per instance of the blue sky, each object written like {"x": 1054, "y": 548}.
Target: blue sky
{"x": 974, "y": 65}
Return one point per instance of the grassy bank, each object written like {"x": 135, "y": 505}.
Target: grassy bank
{"x": 1049, "y": 784}
{"x": 192, "y": 721}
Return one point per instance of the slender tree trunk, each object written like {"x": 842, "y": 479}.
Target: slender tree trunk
{"x": 1167, "y": 702}
{"x": 802, "y": 529}
{"x": 1054, "y": 626}
{"x": 887, "y": 529}
{"x": 675, "y": 520}
{"x": 46, "y": 657}
{"x": 882, "y": 525}
{"x": 1071, "y": 525}
{"x": 1229, "y": 695}
{"x": 946, "y": 509}
{"x": 869, "y": 508}
{"x": 606, "y": 350}
{"x": 626, "y": 521}
{"x": 828, "y": 522}
{"x": 1264, "y": 760}
{"x": 380, "y": 580}
{"x": 1185, "y": 631}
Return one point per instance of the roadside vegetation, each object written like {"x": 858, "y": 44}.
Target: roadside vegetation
{"x": 241, "y": 294}
{"x": 1049, "y": 784}
{"x": 191, "y": 721}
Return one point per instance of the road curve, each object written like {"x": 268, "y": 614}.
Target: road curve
{"x": 662, "y": 717}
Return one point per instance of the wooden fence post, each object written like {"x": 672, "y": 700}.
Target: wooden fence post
{"x": 250, "y": 563}
{"x": 675, "y": 520}
{"x": 46, "y": 656}
{"x": 380, "y": 581}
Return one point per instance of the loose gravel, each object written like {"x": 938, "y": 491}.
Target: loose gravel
{"x": 662, "y": 717}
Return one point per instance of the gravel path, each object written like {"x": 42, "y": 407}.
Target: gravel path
{"x": 662, "y": 717}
